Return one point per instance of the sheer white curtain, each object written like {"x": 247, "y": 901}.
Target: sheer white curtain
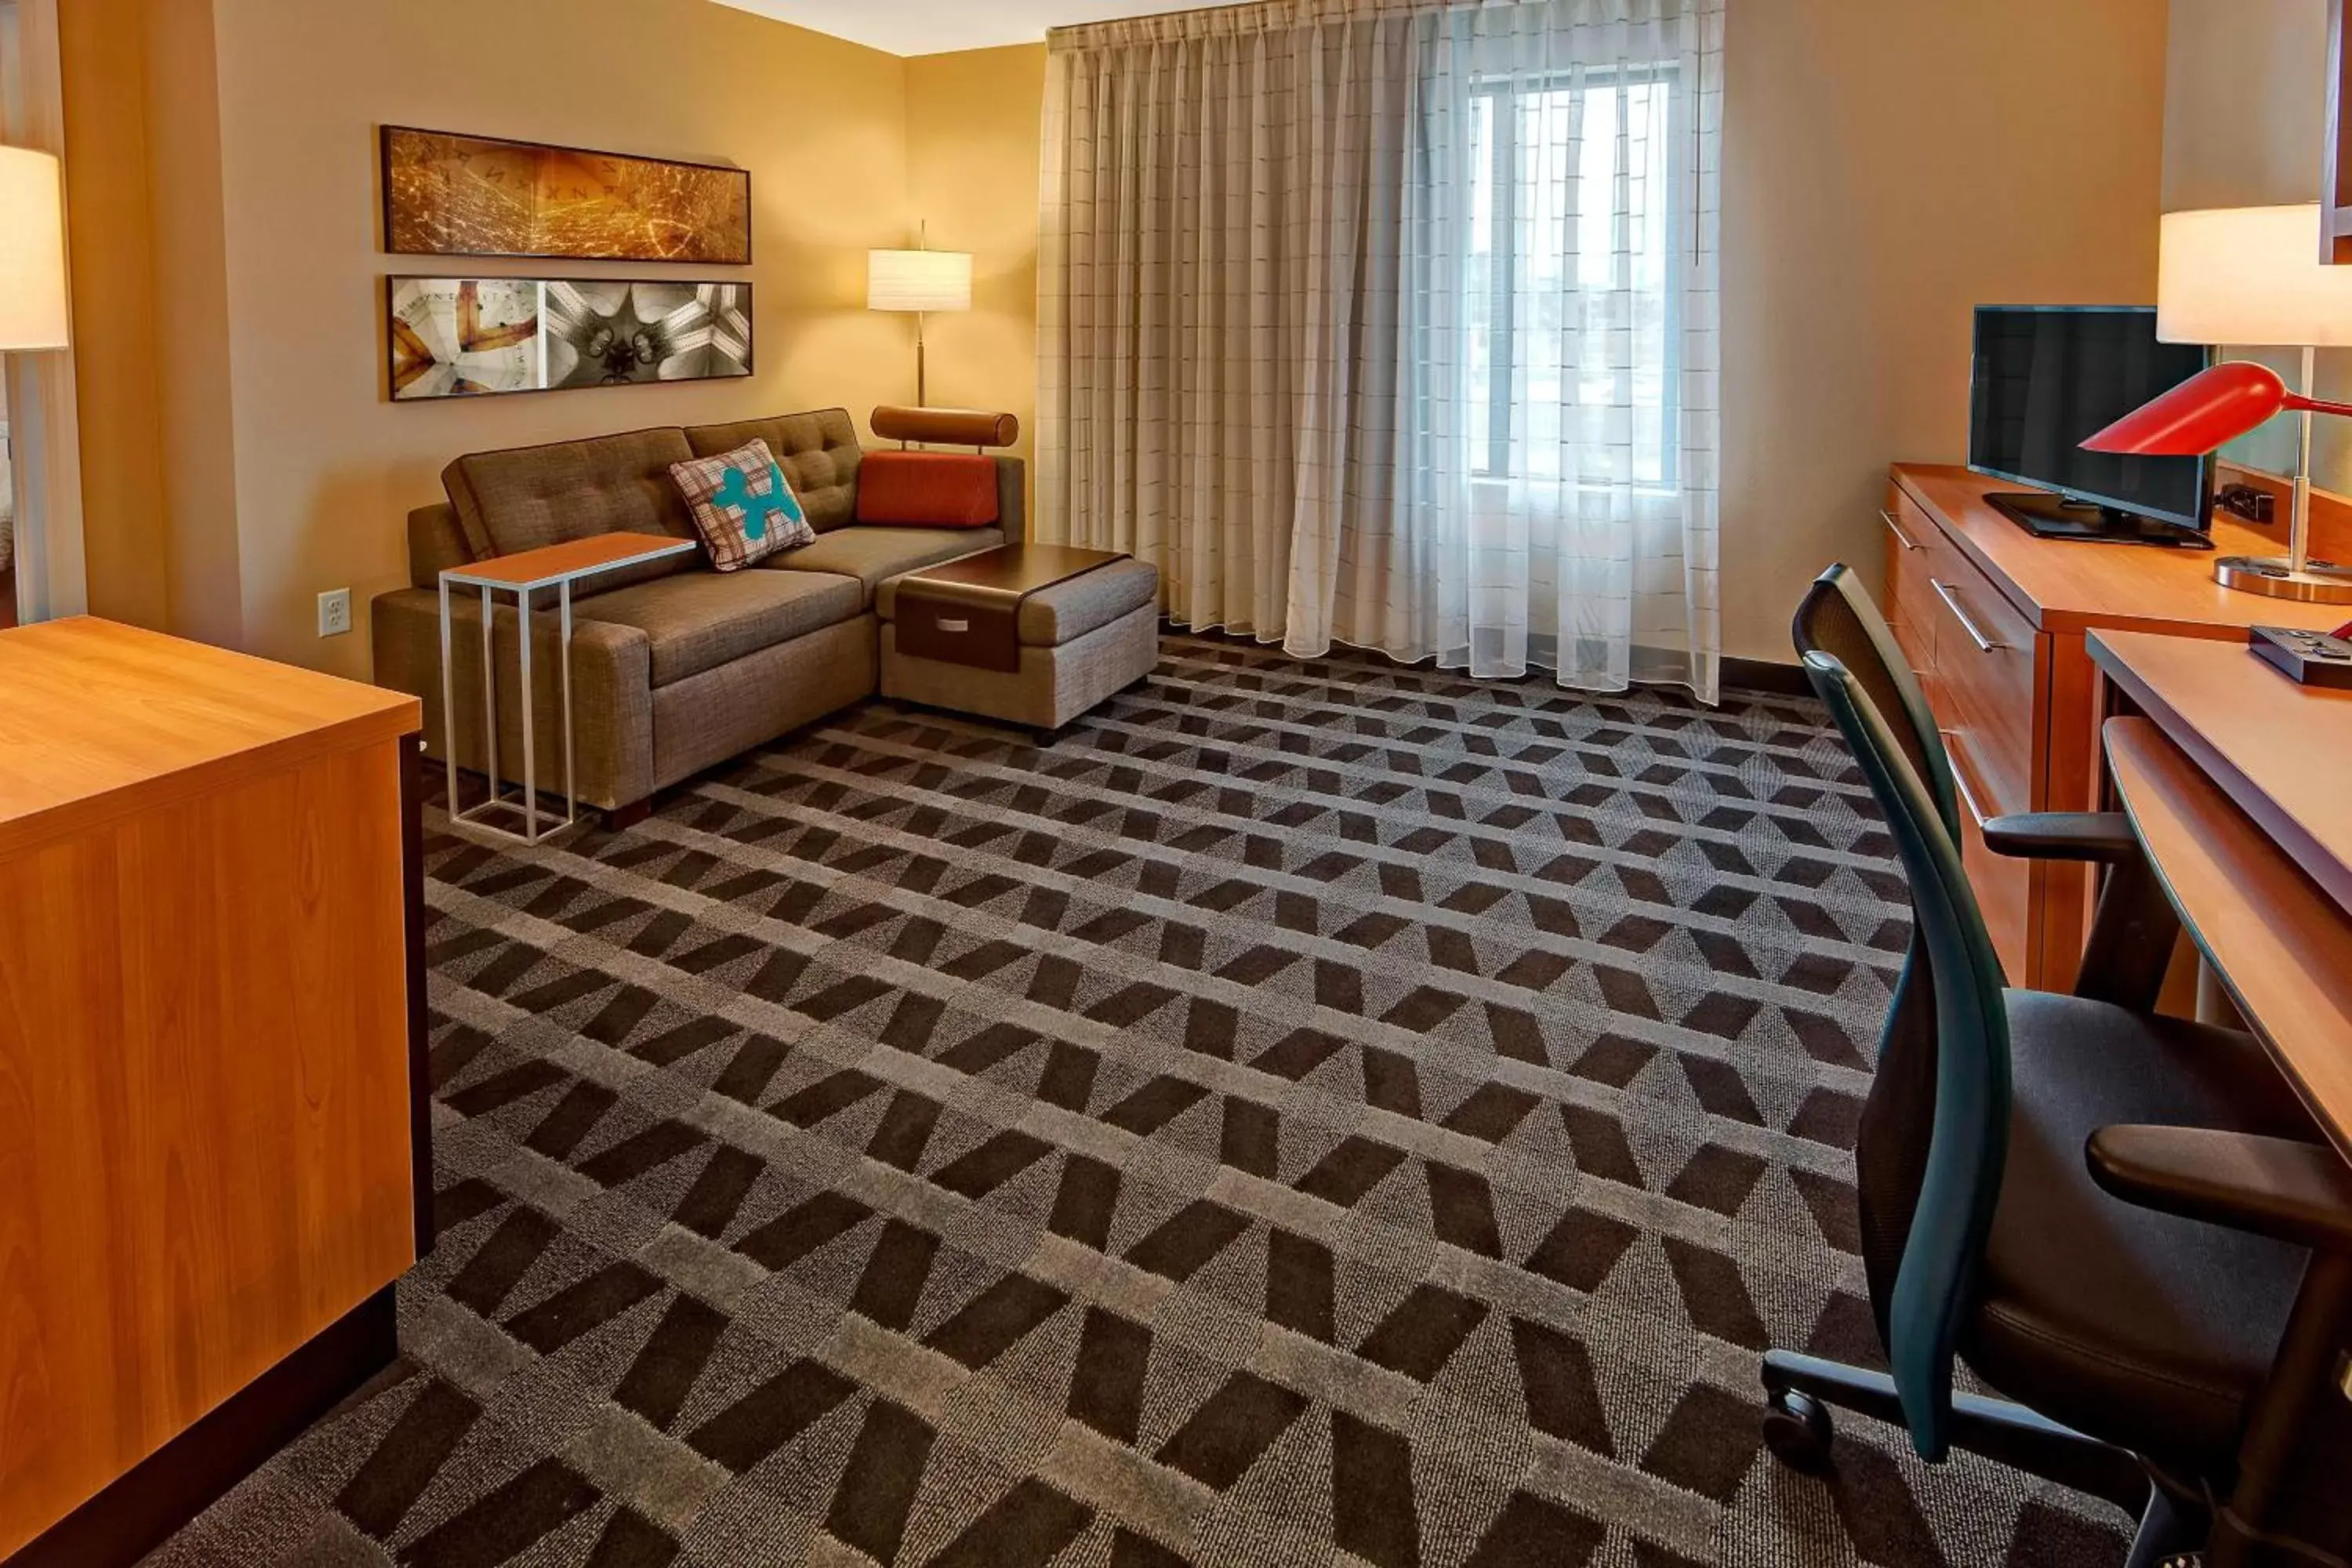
{"x": 1393, "y": 322}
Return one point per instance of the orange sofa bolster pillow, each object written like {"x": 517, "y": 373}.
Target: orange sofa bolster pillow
{"x": 928, "y": 489}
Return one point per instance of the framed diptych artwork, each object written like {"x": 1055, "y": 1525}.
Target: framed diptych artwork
{"x": 446, "y": 194}
{"x": 471, "y": 337}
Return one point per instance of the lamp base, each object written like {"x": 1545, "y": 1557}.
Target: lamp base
{"x": 2274, "y": 577}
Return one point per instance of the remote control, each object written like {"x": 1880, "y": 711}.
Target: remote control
{"x": 2313, "y": 659}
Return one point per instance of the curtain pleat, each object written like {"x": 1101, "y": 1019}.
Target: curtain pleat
{"x": 1348, "y": 371}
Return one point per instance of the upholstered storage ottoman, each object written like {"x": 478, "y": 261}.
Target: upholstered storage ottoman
{"x": 1078, "y": 641}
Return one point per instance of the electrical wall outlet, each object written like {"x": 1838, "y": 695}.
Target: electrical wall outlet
{"x": 2246, "y": 501}
{"x": 335, "y": 613}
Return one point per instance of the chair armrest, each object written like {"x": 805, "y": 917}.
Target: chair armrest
{"x": 2299, "y": 1192}
{"x": 2100, "y": 837}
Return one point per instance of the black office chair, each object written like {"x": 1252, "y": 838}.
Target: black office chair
{"x": 2127, "y": 1223}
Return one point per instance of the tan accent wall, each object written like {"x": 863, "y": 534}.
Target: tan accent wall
{"x": 102, "y": 44}
{"x": 198, "y": 345}
{"x": 270, "y": 465}
{"x": 974, "y": 128}
{"x": 1886, "y": 168}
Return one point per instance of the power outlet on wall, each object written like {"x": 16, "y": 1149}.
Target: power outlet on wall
{"x": 335, "y": 613}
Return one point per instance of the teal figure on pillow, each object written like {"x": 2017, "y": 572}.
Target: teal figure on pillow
{"x": 735, "y": 492}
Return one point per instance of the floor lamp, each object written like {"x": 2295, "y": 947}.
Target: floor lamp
{"x": 2247, "y": 276}
{"x": 32, "y": 262}
{"x": 918, "y": 282}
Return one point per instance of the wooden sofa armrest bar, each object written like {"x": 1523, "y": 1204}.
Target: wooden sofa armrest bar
{"x": 945, "y": 427}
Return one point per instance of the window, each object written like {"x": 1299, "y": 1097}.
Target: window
{"x": 1575, "y": 278}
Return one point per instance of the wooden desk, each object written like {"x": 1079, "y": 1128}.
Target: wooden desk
{"x": 2234, "y": 776}
{"x": 2281, "y": 753}
{"x": 1994, "y": 621}
{"x": 213, "y": 1151}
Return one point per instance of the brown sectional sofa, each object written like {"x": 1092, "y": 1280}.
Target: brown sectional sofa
{"x": 676, "y": 668}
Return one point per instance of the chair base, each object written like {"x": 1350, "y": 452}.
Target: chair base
{"x": 1800, "y": 1389}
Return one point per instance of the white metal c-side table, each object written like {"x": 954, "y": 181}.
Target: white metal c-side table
{"x": 558, "y": 567}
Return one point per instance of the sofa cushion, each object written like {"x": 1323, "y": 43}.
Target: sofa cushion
{"x": 698, "y": 621}
{"x": 819, "y": 452}
{"x": 530, "y": 497}
{"x": 874, "y": 555}
{"x": 927, "y": 489}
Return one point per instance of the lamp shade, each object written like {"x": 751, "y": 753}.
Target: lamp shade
{"x": 32, "y": 252}
{"x": 2250, "y": 275}
{"x": 919, "y": 280}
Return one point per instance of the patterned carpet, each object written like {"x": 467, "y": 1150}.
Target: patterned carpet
{"x": 919, "y": 1145}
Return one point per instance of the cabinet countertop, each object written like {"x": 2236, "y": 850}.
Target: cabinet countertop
{"x": 99, "y": 718}
{"x": 2065, "y": 586}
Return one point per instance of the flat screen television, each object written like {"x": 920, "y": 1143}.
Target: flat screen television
{"x": 2047, "y": 378}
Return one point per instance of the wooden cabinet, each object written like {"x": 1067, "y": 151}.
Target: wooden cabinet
{"x": 1993, "y": 619}
{"x": 1982, "y": 664}
{"x": 211, "y": 1145}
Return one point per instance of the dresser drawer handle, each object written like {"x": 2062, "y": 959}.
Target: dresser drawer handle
{"x": 1895, "y": 528}
{"x": 1957, "y": 755}
{"x": 1951, "y": 602}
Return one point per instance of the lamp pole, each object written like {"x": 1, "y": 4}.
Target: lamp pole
{"x": 2299, "y": 523}
{"x": 922, "y": 360}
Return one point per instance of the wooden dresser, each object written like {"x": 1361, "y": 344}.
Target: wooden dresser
{"x": 1993, "y": 621}
{"x": 212, "y": 1153}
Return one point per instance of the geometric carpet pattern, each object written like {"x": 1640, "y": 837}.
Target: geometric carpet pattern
{"x": 1303, "y": 1113}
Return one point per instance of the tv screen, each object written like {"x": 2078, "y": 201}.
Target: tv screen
{"x": 2050, "y": 377}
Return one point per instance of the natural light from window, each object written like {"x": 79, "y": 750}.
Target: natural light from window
{"x": 1572, "y": 280}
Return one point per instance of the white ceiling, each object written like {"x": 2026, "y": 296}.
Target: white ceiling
{"x": 937, "y": 26}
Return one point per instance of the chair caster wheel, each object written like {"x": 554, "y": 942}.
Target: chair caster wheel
{"x": 1796, "y": 1429}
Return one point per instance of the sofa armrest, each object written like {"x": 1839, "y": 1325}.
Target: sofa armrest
{"x": 436, "y": 543}
{"x": 2297, "y": 1192}
{"x": 1012, "y": 500}
{"x": 612, "y": 691}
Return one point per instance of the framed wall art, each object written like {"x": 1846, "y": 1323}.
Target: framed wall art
{"x": 446, "y": 194}
{"x": 474, "y": 337}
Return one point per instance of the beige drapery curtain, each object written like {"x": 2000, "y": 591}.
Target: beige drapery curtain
{"x": 1271, "y": 357}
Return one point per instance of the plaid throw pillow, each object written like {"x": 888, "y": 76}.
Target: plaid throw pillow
{"x": 744, "y": 506}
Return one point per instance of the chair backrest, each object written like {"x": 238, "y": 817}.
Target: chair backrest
{"x": 1944, "y": 1073}
{"x": 1839, "y": 617}
{"x": 1839, "y": 620}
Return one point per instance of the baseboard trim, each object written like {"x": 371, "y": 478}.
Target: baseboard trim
{"x": 1765, "y": 675}
{"x": 178, "y": 1481}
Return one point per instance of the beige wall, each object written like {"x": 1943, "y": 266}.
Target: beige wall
{"x": 326, "y": 467}
{"x": 2245, "y": 125}
{"x": 1886, "y": 167}
{"x": 973, "y": 124}
{"x": 286, "y": 471}
{"x": 2245, "y": 102}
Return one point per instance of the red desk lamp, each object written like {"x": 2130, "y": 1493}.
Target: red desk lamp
{"x": 2206, "y": 413}
{"x": 2246, "y": 275}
